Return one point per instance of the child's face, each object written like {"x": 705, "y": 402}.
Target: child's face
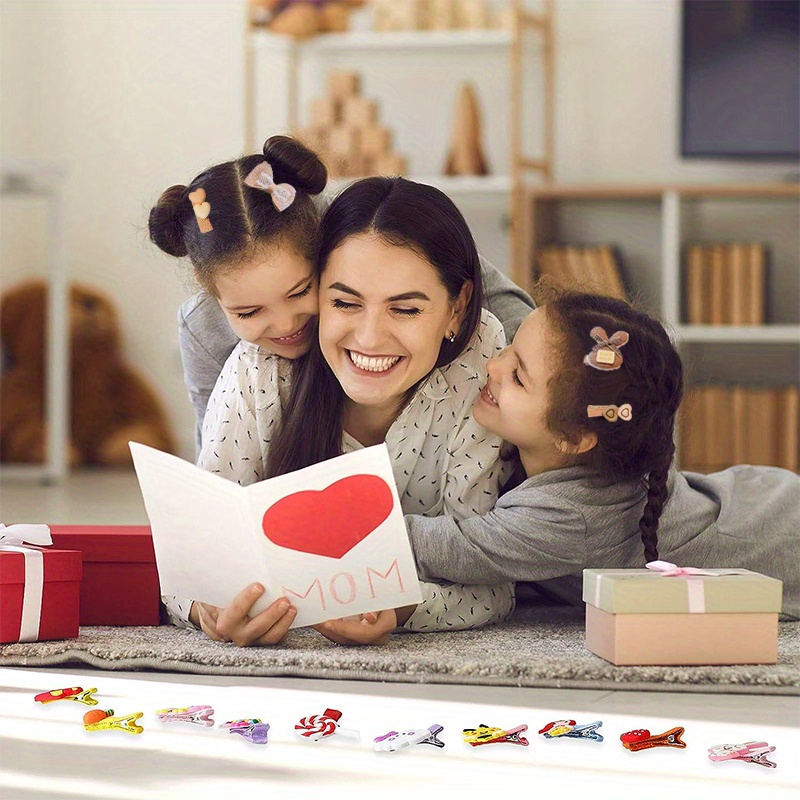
{"x": 271, "y": 301}
{"x": 383, "y": 315}
{"x": 515, "y": 400}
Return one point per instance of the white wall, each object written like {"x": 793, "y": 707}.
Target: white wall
{"x": 134, "y": 95}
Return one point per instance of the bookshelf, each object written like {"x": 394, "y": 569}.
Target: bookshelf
{"x": 652, "y": 226}
{"x": 414, "y": 76}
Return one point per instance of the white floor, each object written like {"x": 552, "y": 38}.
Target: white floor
{"x": 94, "y": 497}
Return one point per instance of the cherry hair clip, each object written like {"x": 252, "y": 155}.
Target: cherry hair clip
{"x": 393, "y": 741}
{"x": 98, "y": 720}
{"x": 251, "y": 730}
{"x": 197, "y": 715}
{"x": 483, "y": 734}
{"x": 568, "y": 729}
{"x": 321, "y": 726}
{"x": 640, "y": 739}
{"x": 753, "y": 752}
{"x": 75, "y": 693}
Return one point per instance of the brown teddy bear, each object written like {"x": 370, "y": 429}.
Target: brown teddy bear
{"x": 303, "y": 18}
{"x": 110, "y": 404}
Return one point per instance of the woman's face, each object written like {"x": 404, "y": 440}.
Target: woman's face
{"x": 271, "y": 301}
{"x": 383, "y": 315}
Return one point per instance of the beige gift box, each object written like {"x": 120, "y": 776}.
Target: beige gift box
{"x": 640, "y": 617}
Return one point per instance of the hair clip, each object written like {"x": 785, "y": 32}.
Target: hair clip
{"x": 75, "y": 693}
{"x": 754, "y": 752}
{"x": 393, "y": 741}
{"x": 320, "y": 726}
{"x": 611, "y": 413}
{"x": 251, "y": 730}
{"x": 605, "y": 354}
{"x": 640, "y": 739}
{"x": 282, "y": 194}
{"x": 98, "y": 720}
{"x": 197, "y": 715}
{"x": 483, "y": 734}
{"x": 201, "y": 209}
{"x": 568, "y": 729}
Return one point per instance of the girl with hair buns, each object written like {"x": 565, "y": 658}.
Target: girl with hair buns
{"x": 402, "y": 350}
{"x": 588, "y": 392}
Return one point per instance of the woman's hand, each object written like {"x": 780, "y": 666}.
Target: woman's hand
{"x": 370, "y": 628}
{"x": 234, "y": 623}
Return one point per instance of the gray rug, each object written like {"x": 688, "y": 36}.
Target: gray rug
{"x": 542, "y": 646}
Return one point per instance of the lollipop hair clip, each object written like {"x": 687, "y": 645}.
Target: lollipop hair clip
{"x": 321, "y": 726}
{"x": 640, "y": 739}
{"x": 393, "y": 741}
{"x": 752, "y": 752}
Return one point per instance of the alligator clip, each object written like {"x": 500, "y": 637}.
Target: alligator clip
{"x": 197, "y": 715}
{"x": 567, "y": 728}
{"x": 321, "y": 726}
{"x": 75, "y": 693}
{"x": 251, "y": 730}
{"x": 393, "y": 741}
{"x": 483, "y": 734}
{"x": 98, "y": 720}
{"x": 754, "y": 752}
{"x": 640, "y": 739}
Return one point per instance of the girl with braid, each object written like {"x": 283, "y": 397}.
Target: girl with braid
{"x": 588, "y": 393}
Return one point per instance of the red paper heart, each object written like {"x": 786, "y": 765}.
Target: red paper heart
{"x": 331, "y": 522}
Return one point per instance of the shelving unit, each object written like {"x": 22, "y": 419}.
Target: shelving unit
{"x": 284, "y": 75}
{"x": 651, "y": 224}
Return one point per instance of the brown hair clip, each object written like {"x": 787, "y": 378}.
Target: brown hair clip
{"x": 611, "y": 413}
{"x": 605, "y": 354}
{"x": 201, "y": 209}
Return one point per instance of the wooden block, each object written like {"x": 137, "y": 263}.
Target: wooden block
{"x": 391, "y": 164}
{"x": 756, "y": 284}
{"x": 325, "y": 112}
{"x": 472, "y": 14}
{"x": 375, "y": 140}
{"x": 738, "y": 273}
{"x": 716, "y": 283}
{"x": 788, "y": 400}
{"x": 359, "y": 111}
{"x": 696, "y": 288}
{"x": 343, "y": 84}
{"x": 442, "y": 15}
{"x": 344, "y": 140}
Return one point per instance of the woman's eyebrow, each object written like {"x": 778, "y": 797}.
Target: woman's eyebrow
{"x": 393, "y": 299}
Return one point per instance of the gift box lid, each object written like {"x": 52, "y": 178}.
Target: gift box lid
{"x": 126, "y": 543}
{"x": 642, "y": 591}
{"x": 59, "y": 565}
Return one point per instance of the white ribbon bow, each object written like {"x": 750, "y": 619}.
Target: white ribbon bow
{"x": 25, "y": 533}
{"x": 669, "y": 570}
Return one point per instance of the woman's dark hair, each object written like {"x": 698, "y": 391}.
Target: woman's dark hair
{"x": 650, "y": 379}
{"x": 242, "y": 217}
{"x": 401, "y": 213}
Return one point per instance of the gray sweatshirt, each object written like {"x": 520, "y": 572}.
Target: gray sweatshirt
{"x": 206, "y": 339}
{"x": 556, "y": 524}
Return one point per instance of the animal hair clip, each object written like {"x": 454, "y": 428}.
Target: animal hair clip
{"x": 393, "y": 741}
{"x": 640, "y": 739}
{"x": 752, "y": 752}
{"x": 251, "y": 730}
{"x": 605, "y": 355}
{"x": 483, "y": 734}
{"x": 98, "y": 720}
{"x": 569, "y": 729}
{"x": 197, "y": 715}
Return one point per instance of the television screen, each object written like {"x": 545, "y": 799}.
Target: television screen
{"x": 741, "y": 79}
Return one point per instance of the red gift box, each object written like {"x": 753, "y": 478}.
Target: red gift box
{"x": 60, "y": 597}
{"x": 120, "y": 581}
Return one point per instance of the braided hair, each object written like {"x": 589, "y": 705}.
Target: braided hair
{"x": 650, "y": 379}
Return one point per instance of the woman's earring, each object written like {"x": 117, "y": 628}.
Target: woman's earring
{"x": 451, "y": 337}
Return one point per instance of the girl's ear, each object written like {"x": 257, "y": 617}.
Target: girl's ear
{"x": 586, "y": 443}
{"x": 461, "y": 304}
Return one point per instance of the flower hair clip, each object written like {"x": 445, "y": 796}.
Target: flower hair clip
{"x": 201, "y": 209}
{"x": 611, "y": 413}
{"x": 605, "y": 354}
{"x": 282, "y": 194}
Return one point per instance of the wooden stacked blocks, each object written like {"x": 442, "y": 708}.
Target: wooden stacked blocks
{"x": 437, "y": 15}
{"x": 345, "y": 130}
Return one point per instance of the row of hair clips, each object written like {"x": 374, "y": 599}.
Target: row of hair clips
{"x": 317, "y": 727}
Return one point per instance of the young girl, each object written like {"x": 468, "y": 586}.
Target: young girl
{"x": 588, "y": 392}
{"x": 236, "y": 260}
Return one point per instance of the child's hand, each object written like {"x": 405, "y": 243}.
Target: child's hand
{"x": 370, "y": 628}
{"x": 234, "y": 623}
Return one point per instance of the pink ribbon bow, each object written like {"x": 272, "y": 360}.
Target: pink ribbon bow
{"x": 669, "y": 570}
{"x": 282, "y": 194}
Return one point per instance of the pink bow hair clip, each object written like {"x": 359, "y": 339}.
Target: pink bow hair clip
{"x": 752, "y": 752}
{"x": 282, "y": 194}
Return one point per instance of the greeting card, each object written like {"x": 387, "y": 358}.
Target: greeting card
{"x": 330, "y": 537}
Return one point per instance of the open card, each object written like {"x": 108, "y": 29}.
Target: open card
{"x": 330, "y": 537}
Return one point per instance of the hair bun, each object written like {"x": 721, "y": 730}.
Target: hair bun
{"x": 164, "y": 223}
{"x": 292, "y": 162}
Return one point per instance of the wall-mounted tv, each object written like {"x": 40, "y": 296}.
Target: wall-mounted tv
{"x": 741, "y": 79}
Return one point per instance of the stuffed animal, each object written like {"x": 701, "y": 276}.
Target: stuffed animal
{"x": 303, "y": 18}
{"x": 110, "y": 404}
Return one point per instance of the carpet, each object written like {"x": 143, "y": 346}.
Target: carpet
{"x": 541, "y": 646}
